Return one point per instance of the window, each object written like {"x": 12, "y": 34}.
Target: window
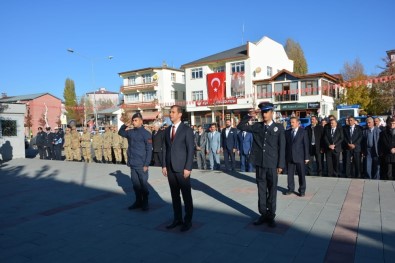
{"x": 173, "y": 77}
{"x": 7, "y": 128}
{"x": 183, "y": 78}
{"x": 174, "y": 95}
{"x": 219, "y": 69}
{"x": 149, "y": 96}
{"x": 197, "y": 73}
{"x": 134, "y": 97}
{"x": 183, "y": 95}
{"x": 264, "y": 91}
{"x": 132, "y": 80}
{"x": 237, "y": 67}
{"x": 197, "y": 95}
{"x": 146, "y": 78}
{"x": 286, "y": 91}
{"x": 309, "y": 87}
{"x": 328, "y": 89}
{"x": 269, "y": 71}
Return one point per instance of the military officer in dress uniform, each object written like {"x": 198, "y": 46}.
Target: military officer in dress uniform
{"x": 75, "y": 144}
{"x": 97, "y": 144}
{"x": 67, "y": 145}
{"x": 268, "y": 156}
{"x": 107, "y": 141}
{"x": 116, "y": 145}
{"x": 86, "y": 145}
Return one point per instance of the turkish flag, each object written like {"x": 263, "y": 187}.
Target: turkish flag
{"x": 216, "y": 87}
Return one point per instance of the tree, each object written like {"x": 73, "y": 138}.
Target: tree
{"x": 295, "y": 52}
{"x": 70, "y": 99}
{"x": 358, "y": 93}
{"x": 103, "y": 104}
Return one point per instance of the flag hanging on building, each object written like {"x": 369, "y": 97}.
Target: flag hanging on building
{"x": 216, "y": 87}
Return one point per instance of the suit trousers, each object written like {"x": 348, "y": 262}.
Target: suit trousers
{"x": 353, "y": 159}
{"x": 157, "y": 156}
{"x": 390, "y": 171}
{"x": 41, "y": 152}
{"x": 300, "y": 168}
{"x": 201, "y": 159}
{"x": 371, "y": 165}
{"x": 316, "y": 153}
{"x": 178, "y": 183}
{"x": 57, "y": 150}
{"x": 49, "y": 152}
{"x": 214, "y": 160}
{"x": 245, "y": 165}
{"x": 332, "y": 160}
{"x": 229, "y": 154}
{"x": 266, "y": 179}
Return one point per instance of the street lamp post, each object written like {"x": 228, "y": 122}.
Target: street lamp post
{"x": 92, "y": 61}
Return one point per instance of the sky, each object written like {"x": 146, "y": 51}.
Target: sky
{"x": 35, "y": 36}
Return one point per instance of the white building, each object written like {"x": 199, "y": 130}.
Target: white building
{"x": 152, "y": 91}
{"x": 241, "y": 66}
{"x": 300, "y": 95}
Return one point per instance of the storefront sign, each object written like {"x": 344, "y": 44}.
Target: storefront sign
{"x": 216, "y": 102}
{"x": 313, "y": 105}
{"x": 293, "y": 106}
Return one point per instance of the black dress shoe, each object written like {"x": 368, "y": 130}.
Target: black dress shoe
{"x": 288, "y": 192}
{"x": 271, "y": 223}
{"x": 136, "y": 205}
{"x": 301, "y": 194}
{"x": 174, "y": 224}
{"x": 260, "y": 220}
{"x": 186, "y": 227}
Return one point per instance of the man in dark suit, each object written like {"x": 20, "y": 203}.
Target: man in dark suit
{"x": 296, "y": 155}
{"x": 200, "y": 146}
{"x": 314, "y": 133}
{"x": 369, "y": 144}
{"x": 245, "y": 143}
{"x": 229, "y": 145}
{"x": 333, "y": 138}
{"x": 178, "y": 151}
{"x": 352, "y": 146}
{"x": 387, "y": 149}
{"x": 268, "y": 156}
{"x": 48, "y": 139}
{"x": 157, "y": 141}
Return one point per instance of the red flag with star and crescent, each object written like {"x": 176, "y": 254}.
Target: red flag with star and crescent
{"x": 216, "y": 87}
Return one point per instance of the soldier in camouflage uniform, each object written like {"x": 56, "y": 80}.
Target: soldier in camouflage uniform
{"x": 107, "y": 141}
{"x": 124, "y": 146}
{"x": 116, "y": 145}
{"x": 86, "y": 145}
{"x": 75, "y": 144}
{"x": 67, "y": 145}
{"x": 97, "y": 144}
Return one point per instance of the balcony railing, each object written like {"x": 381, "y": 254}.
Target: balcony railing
{"x": 286, "y": 97}
{"x": 139, "y": 86}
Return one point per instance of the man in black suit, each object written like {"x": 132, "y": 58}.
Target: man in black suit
{"x": 229, "y": 145}
{"x": 296, "y": 155}
{"x": 314, "y": 133}
{"x": 268, "y": 156}
{"x": 48, "y": 139}
{"x": 157, "y": 141}
{"x": 352, "y": 146}
{"x": 178, "y": 151}
{"x": 333, "y": 138}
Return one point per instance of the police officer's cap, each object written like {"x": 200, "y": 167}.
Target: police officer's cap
{"x": 137, "y": 115}
{"x": 266, "y": 106}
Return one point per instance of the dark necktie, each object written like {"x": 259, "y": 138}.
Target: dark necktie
{"x": 173, "y": 133}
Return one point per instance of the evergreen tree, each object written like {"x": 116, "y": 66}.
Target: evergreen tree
{"x": 295, "y": 52}
{"x": 70, "y": 100}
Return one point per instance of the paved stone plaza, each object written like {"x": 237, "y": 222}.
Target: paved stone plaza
{"x": 54, "y": 211}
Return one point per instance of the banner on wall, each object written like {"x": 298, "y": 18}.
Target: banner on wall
{"x": 238, "y": 84}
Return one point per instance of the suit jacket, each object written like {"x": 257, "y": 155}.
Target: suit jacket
{"x": 245, "y": 144}
{"x": 178, "y": 155}
{"x": 376, "y": 136}
{"x": 268, "y": 148}
{"x": 229, "y": 142}
{"x": 318, "y": 133}
{"x": 214, "y": 143}
{"x": 202, "y": 141}
{"x": 157, "y": 140}
{"x": 386, "y": 143}
{"x": 355, "y": 139}
{"x": 336, "y": 139}
{"x": 297, "y": 149}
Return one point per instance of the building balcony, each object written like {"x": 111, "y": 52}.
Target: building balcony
{"x": 287, "y": 97}
{"x": 139, "y": 87}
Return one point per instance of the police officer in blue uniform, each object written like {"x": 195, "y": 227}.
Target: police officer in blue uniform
{"x": 57, "y": 144}
{"x": 139, "y": 158}
{"x": 268, "y": 156}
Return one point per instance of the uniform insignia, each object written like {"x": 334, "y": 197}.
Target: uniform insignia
{"x": 275, "y": 129}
